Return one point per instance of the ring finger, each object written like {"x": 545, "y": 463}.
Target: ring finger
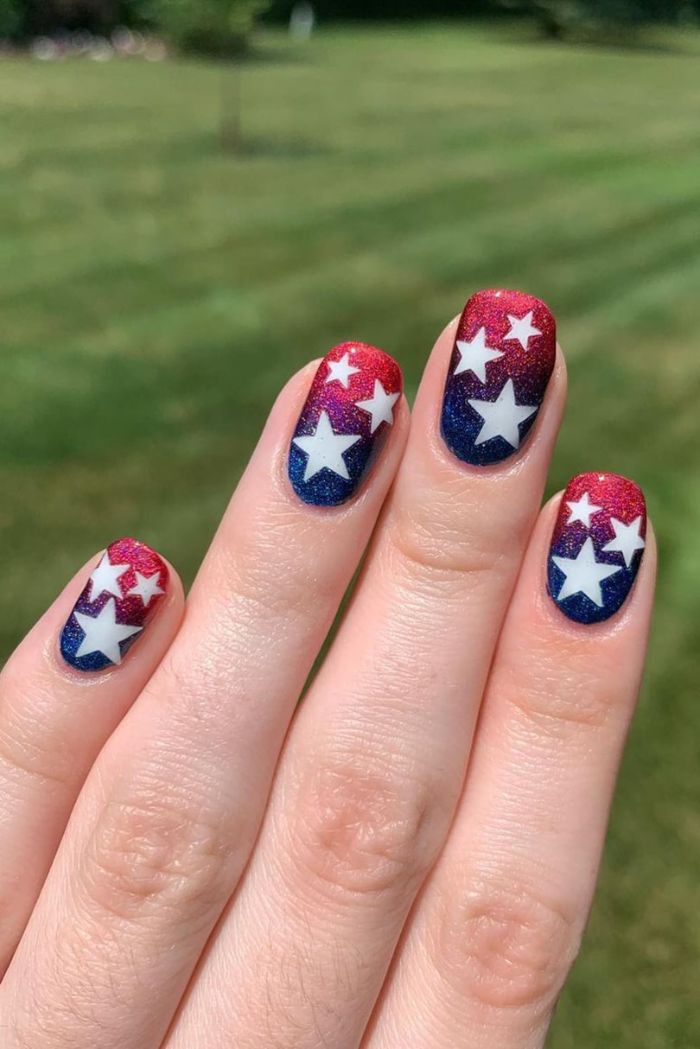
{"x": 503, "y": 913}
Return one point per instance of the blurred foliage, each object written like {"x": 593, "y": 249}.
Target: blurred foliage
{"x": 10, "y": 18}
{"x": 210, "y": 27}
{"x": 219, "y": 26}
{"x": 561, "y": 18}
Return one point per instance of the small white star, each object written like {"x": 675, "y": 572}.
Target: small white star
{"x": 475, "y": 355}
{"x": 147, "y": 587}
{"x": 627, "y": 538}
{"x": 583, "y": 574}
{"x": 502, "y": 417}
{"x": 324, "y": 448}
{"x": 106, "y": 577}
{"x": 103, "y": 633}
{"x": 522, "y": 329}
{"x": 341, "y": 370}
{"x": 379, "y": 406}
{"x": 582, "y": 510}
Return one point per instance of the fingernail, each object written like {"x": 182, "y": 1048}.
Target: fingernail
{"x": 118, "y": 601}
{"x": 597, "y": 546}
{"x": 501, "y": 362}
{"x": 345, "y": 422}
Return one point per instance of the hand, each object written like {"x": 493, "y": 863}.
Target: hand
{"x": 406, "y": 860}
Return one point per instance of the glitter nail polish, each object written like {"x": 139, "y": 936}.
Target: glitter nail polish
{"x": 345, "y": 422}
{"x": 500, "y": 366}
{"x": 117, "y": 603}
{"x": 597, "y": 546}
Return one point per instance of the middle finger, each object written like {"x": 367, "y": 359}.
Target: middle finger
{"x": 374, "y": 762}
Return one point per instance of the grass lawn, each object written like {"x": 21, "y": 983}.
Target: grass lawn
{"x": 155, "y": 293}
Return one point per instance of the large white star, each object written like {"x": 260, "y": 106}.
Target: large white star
{"x": 341, "y": 370}
{"x": 584, "y": 574}
{"x": 379, "y": 406}
{"x": 324, "y": 448}
{"x": 147, "y": 587}
{"x": 627, "y": 538}
{"x": 582, "y": 510}
{"x": 522, "y": 329}
{"x": 106, "y": 577}
{"x": 475, "y": 355}
{"x": 503, "y": 416}
{"x": 103, "y": 633}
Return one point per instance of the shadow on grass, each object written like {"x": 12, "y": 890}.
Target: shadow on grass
{"x": 262, "y": 146}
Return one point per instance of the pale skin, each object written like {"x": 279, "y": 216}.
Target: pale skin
{"x": 190, "y": 859}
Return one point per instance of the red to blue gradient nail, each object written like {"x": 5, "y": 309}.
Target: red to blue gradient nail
{"x": 501, "y": 363}
{"x": 344, "y": 423}
{"x": 597, "y": 546}
{"x": 117, "y": 603}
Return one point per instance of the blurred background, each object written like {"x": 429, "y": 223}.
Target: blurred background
{"x": 198, "y": 196}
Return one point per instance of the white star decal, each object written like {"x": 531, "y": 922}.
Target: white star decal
{"x": 340, "y": 371}
{"x": 324, "y": 448}
{"x": 582, "y": 510}
{"x": 106, "y": 577}
{"x": 627, "y": 538}
{"x": 475, "y": 355}
{"x": 522, "y": 329}
{"x": 584, "y": 574}
{"x": 103, "y": 633}
{"x": 379, "y": 406}
{"x": 147, "y": 587}
{"x": 502, "y": 417}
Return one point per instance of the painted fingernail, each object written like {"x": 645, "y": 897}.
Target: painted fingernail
{"x": 501, "y": 362}
{"x": 344, "y": 423}
{"x": 597, "y": 546}
{"x": 117, "y": 602}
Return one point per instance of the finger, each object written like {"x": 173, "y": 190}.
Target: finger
{"x": 375, "y": 758}
{"x": 502, "y": 915}
{"x": 56, "y": 712}
{"x": 167, "y": 821}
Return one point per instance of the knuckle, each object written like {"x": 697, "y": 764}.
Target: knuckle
{"x": 249, "y": 582}
{"x": 435, "y": 541}
{"x": 560, "y": 705}
{"x": 32, "y": 752}
{"x": 360, "y": 829}
{"x": 154, "y": 855}
{"x": 504, "y": 947}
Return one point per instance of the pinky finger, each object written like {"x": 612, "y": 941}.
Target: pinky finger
{"x": 502, "y": 915}
{"x": 62, "y": 693}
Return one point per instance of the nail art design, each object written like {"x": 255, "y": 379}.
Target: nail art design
{"x": 597, "y": 546}
{"x": 117, "y": 602}
{"x": 501, "y": 363}
{"x": 344, "y": 423}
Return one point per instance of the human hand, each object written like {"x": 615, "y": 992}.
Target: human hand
{"x": 408, "y": 858}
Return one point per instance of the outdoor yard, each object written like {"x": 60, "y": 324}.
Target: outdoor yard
{"x": 156, "y": 291}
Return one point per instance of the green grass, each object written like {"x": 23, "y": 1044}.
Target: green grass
{"x": 156, "y": 292}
